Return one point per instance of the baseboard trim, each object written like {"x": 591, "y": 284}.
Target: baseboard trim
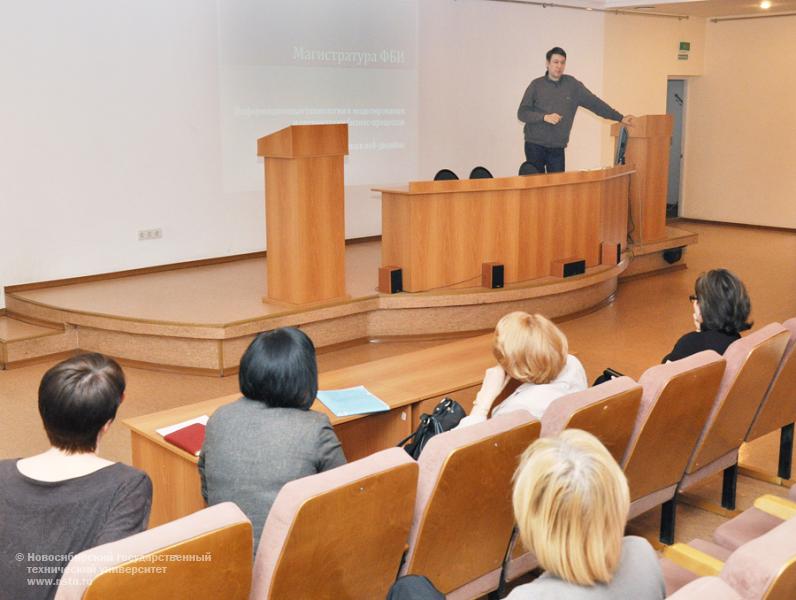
{"x": 734, "y": 224}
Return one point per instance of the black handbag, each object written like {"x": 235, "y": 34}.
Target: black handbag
{"x": 445, "y": 417}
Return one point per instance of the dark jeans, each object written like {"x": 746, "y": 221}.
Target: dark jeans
{"x": 549, "y": 160}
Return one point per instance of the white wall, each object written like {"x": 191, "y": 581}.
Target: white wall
{"x": 641, "y": 54}
{"x": 741, "y": 132}
{"x": 109, "y": 120}
{"x": 477, "y": 58}
{"x": 110, "y": 123}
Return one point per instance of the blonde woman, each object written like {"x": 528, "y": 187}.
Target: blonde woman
{"x": 571, "y": 502}
{"x": 533, "y": 351}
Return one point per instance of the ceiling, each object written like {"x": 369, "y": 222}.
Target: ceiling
{"x": 702, "y": 8}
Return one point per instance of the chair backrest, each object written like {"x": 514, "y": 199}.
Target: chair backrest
{"x": 675, "y": 404}
{"x": 445, "y": 174}
{"x": 527, "y": 168}
{"x": 480, "y": 173}
{"x": 203, "y": 556}
{"x": 751, "y": 363}
{"x": 463, "y": 514}
{"x": 607, "y": 411}
{"x": 340, "y": 533}
{"x": 779, "y": 404}
{"x": 766, "y": 566}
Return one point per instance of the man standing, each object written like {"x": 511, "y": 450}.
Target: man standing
{"x": 548, "y": 110}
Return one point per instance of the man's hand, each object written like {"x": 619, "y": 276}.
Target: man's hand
{"x": 629, "y": 120}
{"x": 552, "y": 118}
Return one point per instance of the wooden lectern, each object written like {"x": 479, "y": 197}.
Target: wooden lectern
{"x": 304, "y": 213}
{"x": 648, "y": 151}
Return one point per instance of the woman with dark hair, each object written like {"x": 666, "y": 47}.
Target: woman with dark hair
{"x": 68, "y": 499}
{"x": 721, "y": 312}
{"x": 270, "y": 436}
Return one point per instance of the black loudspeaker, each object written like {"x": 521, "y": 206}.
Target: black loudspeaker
{"x": 672, "y": 255}
{"x": 391, "y": 280}
{"x": 610, "y": 253}
{"x": 492, "y": 275}
{"x": 568, "y": 267}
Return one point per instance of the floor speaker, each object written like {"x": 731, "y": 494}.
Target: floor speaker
{"x": 391, "y": 280}
{"x": 492, "y": 275}
{"x": 568, "y": 267}
{"x": 610, "y": 253}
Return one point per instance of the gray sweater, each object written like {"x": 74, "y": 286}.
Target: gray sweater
{"x": 545, "y": 96}
{"x": 639, "y": 577}
{"x": 44, "y": 523}
{"x": 250, "y": 451}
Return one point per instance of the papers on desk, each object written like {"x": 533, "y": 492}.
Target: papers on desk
{"x": 164, "y": 431}
{"x": 188, "y": 435}
{"x": 352, "y": 401}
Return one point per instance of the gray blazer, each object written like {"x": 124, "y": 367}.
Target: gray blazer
{"x": 250, "y": 451}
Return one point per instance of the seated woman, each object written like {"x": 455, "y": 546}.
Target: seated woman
{"x": 571, "y": 502}
{"x": 270, "y": 436}
{"x": 531, "y": 350}
{"x": 68, "y": 499}
{"x": 721, "y": 311}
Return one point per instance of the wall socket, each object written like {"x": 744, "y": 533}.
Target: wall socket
{"x": 150, "y": 234}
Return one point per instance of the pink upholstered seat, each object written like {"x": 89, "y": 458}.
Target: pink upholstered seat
{"x": 778, "y": 409}
{"x": 340, "y": 533}
{"x": 762, "y": 568}
{"x": 204, "y": 556}
{"x": 463, "y": 515}
{"x": 706, "y": 588}
{"x": 675, "y": 404}
{"x": 751, "y": 364}
{"x": 750, "y": 524}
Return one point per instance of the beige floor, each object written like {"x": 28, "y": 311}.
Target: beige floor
{"x": 199, "y": 294}
{"x": 630, "y": 335}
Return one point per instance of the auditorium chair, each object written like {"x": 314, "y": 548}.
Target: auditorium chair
{"x": 762, "y": 568}
{"x": 214, "y": 547}
{"x": 527, "y": 168}
{"x": 767, "y": 512}
{"x": 463, "y": 519}
{"x": 608, "y": 412}
{"x": 675, "y": 404}
{"x": 751, "y": 364}
{"x": 340, "y": 533}
{"x": 778, "y": 410}
{"x": 445, "y": 175}
{"x": 480, "y": 173}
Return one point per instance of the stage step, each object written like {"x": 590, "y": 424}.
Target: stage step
{"x": 23, "y": 342}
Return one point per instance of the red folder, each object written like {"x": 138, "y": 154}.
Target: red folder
{"x": 188, "y": 438}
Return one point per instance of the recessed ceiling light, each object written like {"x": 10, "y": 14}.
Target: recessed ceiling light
{"x": 765, "y": 4}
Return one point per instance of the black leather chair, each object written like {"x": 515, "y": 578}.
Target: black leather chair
{"x": 480, "y": 173}
{"x": 527, "y": 168}
{"x": 445, "y": 174}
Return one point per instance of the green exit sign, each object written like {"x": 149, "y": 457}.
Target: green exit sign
{"x": 685, "y": 46}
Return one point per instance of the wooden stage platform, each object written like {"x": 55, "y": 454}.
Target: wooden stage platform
{"x": 202, "y": 318}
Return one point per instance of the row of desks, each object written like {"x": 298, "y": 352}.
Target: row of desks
{"x": 410, "y": 384}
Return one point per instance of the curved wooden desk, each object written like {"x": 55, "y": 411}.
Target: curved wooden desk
{"x": 441, "y": 232}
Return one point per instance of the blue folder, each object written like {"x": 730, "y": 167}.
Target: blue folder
{"x": 352, "y": 401}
